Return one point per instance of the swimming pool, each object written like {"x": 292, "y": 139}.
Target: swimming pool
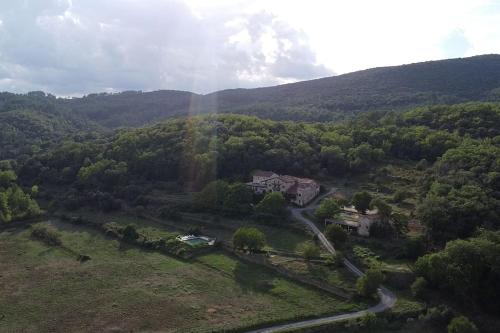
{"x": 196, "y": 240}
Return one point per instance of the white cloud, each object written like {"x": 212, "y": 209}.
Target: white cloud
{"x": 84, "y": 46}
{"x": 74, "y": 47}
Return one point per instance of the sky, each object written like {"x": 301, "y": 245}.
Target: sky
{"x": 76, "y": 47}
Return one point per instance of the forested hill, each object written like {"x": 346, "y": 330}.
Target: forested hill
{"x": 398, "y": 87}
{"x": 328, "y": 99}
{"x": 458, "y": 145}
{"x": 133, "y": 108}
{"x": 385, "y": 88}
{"x": 35, "y": 121}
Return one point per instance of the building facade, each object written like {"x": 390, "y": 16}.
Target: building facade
{"x": 299, "y": 191}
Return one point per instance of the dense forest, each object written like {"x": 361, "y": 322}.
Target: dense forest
{"x": 458, "y": 146}
{"x": 329, "y": 99}
{"x": 34, "y": 122}
{"x": 15, "y": 204}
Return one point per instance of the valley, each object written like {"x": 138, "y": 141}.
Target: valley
{"x": 97, "y": 192}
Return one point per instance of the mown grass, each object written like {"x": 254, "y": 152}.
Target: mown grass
{"x": 45, "y": 288}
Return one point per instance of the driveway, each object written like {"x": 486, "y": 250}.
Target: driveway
{"x": 387, "y": 298}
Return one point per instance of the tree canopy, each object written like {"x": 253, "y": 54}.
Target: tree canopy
{"x": 328, "y": 208}
{"x": 251, "y": 239}
{"x": 361, "y": 201}
{"x": 468, "y": 269}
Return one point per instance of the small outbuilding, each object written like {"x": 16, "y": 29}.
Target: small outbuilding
{"x": 352, "y": 220}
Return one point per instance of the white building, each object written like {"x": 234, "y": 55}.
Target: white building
{"x": 298, "y": 190}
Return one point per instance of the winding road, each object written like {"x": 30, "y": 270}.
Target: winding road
{"x": 387, "y": 298}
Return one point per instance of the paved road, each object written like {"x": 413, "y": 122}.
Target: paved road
{"x": 387, "y": 298}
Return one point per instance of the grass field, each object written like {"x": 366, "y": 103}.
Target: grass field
{"x": 123, "y": 288}
{"x": 339, "y": 277}
{"x": 278, "y": 238}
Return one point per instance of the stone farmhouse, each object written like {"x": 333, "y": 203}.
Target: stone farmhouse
{"x": 352, "y": 220}
{"x": 299, "y": 191}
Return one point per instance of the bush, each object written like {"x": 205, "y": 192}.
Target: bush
{"x": 336, "y": 260}
{"x": 418, "y": 287}
{"x": 422, "y": 164}
{"x": 462, "y": 324}
{"x": 415, "y": 247}
{"x": 46, "y": 234}
{"x": 400, "y": 195}
{"x": 438, "y": 316}
{"x": 129, "y": 233}
{"x": 365, "y": 323}
{"x": 336, "y": 234}
{"x": 309, "y": 250}
{"x": 368, "y": 284}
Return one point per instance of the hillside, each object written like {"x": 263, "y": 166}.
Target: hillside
{"x": 132, "y": 108}
{"x": 33, "y": 122}
{"x": 332, "y": 98}
{"x": 327, "y": 99}
{"x": 397, "y": 87}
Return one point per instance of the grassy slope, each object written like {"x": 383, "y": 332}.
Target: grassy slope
{"x": 45, "y": 289}
{"x": 278, "y": 238}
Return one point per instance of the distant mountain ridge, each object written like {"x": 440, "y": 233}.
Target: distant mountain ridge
{"x": 328, "y": 99}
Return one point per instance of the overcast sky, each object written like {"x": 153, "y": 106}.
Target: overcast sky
{"x": 70, "y": 48}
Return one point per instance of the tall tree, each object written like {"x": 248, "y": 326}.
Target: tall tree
{"x": 238, "y": 199}
{"x": 273, "y": 204}
{"x": 361, "y": 201}
{"x": 328, "y": 208}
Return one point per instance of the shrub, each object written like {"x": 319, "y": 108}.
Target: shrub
{"x": 336, "y": 260}
{"x": 438, "y": 316}
{"x": 415, "y": 247}
{"x": 309, "y": 250}
{"x": 418, "y": 287}
{"x": 336, "y": 234}
{"x": 162, "y": 243}
{"x": 400, "y": 196}
{"x": 368, "y": 284}
{"x": 46, "y": 234}
{"x": 129, "y": 233}
{"x": 462, "y": 324}
{"x": 422, "y": 164}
